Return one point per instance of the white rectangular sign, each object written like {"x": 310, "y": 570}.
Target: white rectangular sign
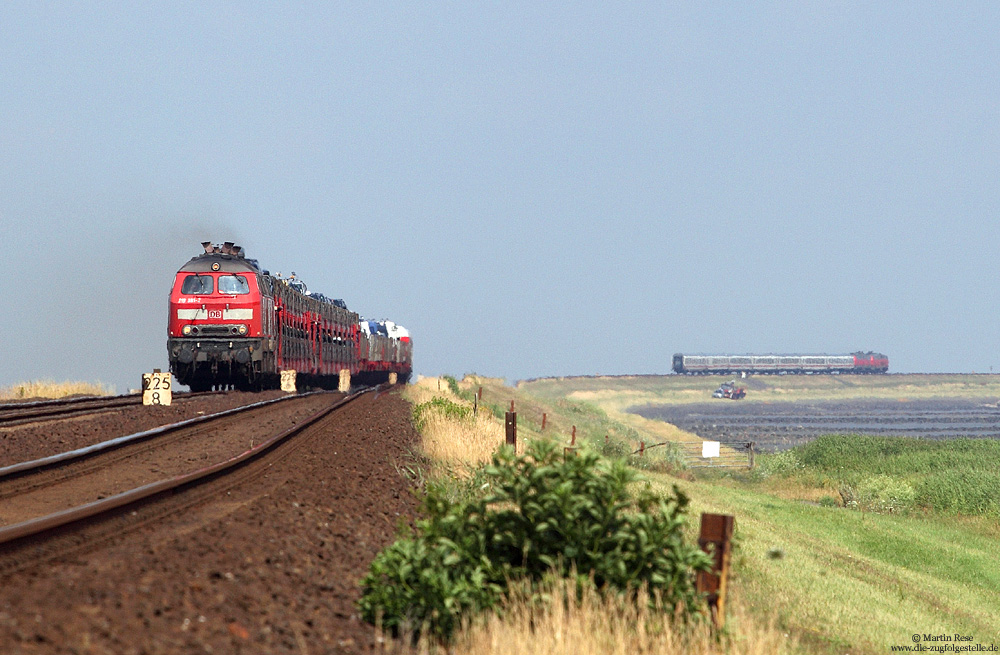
{"x": 710, "y": 449}
{"x": 156, "y": 388}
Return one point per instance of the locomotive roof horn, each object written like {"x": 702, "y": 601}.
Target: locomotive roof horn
{"x": 209, "y": 248}
{"x": 227, "y": 248}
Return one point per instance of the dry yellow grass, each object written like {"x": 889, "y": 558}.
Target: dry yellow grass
{"x": 471, "y": 441}
{"x": 456, "y": 443}
{"x": 51, "y": 389}
{"x": 597, "y": 624}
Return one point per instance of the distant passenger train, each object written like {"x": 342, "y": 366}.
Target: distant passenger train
{"x": 859, "y": 362}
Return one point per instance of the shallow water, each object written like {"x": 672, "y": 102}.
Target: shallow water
{"x": 778, "y": 426}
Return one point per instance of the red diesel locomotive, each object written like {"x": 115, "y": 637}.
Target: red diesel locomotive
{"x": 233, "y": 324}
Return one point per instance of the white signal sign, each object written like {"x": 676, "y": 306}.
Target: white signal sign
{"x": 156, "y": 388}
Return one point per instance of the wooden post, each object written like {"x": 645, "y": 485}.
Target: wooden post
{"x": 642, "y": 448}
{"x": 544, "y": 417}
{"x": 750, "y": 457}
{"x": 479, "y": 394}
{"x": 572, "y": 440}
{"x": 475, "y": 405}
{"x": 715, "y": 539}
{"x": 511, "y": 427}
{"x": 512, "y": 405}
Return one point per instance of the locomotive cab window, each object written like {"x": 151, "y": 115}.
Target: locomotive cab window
{"x": 197, "y": 285}
{"x": 233, "y": 285}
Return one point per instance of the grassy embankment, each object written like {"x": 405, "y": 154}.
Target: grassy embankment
{"x": 455, "y": 441}
{"x": 51, "y": 389}
{"x": 617, "y": 394}
{"x": 915, "y": 549}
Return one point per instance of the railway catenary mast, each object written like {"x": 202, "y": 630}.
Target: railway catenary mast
{"x": 858, "y": 362}
{"x": 232, "y": 323}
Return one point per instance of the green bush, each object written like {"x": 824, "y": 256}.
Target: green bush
{"x": 962, "y": 492}
{"x": 881, "y": 493}
{"x": 892, "y": 474}
{"x": 781, "y": 464}
{"x": 666, "y": 458}
{"x": 442, "y": 406}
{"x": 614, "y": 448}
{"x": 538, "y": 513}
{"x": 453, "y": 385}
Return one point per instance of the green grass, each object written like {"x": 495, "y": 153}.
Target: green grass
{"x": 956, "y": 476}
{"x": 844, "y": 580}
{"x": 610, "y": 435}
{"x": 617, "y": 394}
{"x": 856, "y": 580}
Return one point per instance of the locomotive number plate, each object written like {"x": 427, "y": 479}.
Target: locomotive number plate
{"x": 156, "y": 388}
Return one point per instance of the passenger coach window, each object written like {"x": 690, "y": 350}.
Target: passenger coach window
{"x": 197, "y": 285}
{"x": 233, "y": 284}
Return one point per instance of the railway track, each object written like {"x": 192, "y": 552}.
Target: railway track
{"x": 14, "y": 414}
{"x": 57, "y": 504}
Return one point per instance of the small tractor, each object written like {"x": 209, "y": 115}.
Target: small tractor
{"x": 730, "y": 390}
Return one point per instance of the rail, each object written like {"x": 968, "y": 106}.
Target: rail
{"x": 13, "y": 535}
{"x": 12, "y": 414}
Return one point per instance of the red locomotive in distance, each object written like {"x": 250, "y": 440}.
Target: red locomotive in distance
{"x": 233, "y": 324}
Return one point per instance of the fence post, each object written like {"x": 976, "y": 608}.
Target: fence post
{"x": 572, "y": 441}
{"x": 750, "y": 458}
{"x": 642, "y": 448}
{"x": 716, "y": 535}
{"x": 511, "y": 428}
{"x": 475, "y": 405}
{"x": 544, "y": 417}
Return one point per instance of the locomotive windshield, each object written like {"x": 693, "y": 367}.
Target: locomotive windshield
{"x": 233, "y": 285}
{"x": 197, "y": 285}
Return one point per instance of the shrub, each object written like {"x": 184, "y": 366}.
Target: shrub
{"x": 614, "y": 448}
{"x": 452, "y": 384}
{"x": 537, "y": 513}
{"x": 442, "y": 406}
{"x": 881, "y": 493}
{"x": 780, "y": 464}
{"x": 964, "y": 492}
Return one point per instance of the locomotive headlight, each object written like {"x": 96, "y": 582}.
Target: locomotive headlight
{"x": 243, "y": 329}
{"x": 186, "y": 330}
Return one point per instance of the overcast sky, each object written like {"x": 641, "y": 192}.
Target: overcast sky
{"x": 532, "y": 189}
